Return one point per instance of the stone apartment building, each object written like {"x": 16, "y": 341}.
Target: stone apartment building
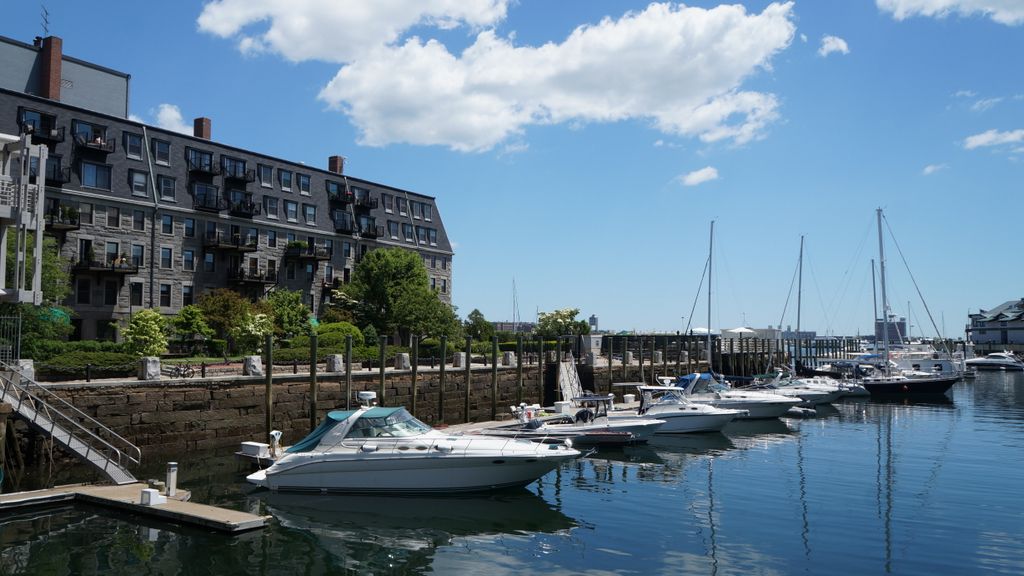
{"x": 152, "y": 218}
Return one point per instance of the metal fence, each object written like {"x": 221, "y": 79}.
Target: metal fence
{"x": 10, "y": 339}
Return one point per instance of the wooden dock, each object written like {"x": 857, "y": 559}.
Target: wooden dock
{"x": 128, "y": 498}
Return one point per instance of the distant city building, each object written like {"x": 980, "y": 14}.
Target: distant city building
{"x": 1003, "y": 324}
{"x": 790, "y": 334}
{"x": 517, "y": 327}
{"x": 593, "y": 322}
{"x": 897, "y": 330}
{"x": 768, "y": 333}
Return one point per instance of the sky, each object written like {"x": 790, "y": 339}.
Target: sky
{"x": 579, "y": 150}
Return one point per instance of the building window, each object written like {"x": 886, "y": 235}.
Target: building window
{"x": 291, "y": 210}
{"x": 271, "y": 239}
{"x": 426, "y": 212}
{"x": 444, "y": 286}
{"x": 393, "y": 229}
{"x": 270, "y": 207}
{"x": 95, "y": 175}
{"x": 199, "y": 160}
{"x": 112, "y": 255}
{"x": 266, "y": 175}
{"x": 138, "y": 220}
{"x": 88, "y": 132}
{"x": 401, "y": 206}
{"x": 309, "y": 210}
{"x": 329, "y": 247}
{"x": 290, "y": 271}
{"x": 138, "y": 255}
{"x": 165, "y": 295}
{"x": 187, "y": 296}
{"x": 346, "y": 248}
{"x": 161, "y": 152}
{"x": 139, "y": 181}
{"x": 166, "y": 255}
{"x": 166, "y": 186}
{"x": 444, "y": 263}
{"x": 272, "y": 268}
{"x": 415, "y": 209}
{"x": 85, "y": 213}
{"x": 110, "y": 293}
{"x": 285, "y": 177}
{"x": 421, "y": 234}
{"x": 208, "y": 265}
{"x": 188, "y": 260}
{"x": 433, "y": 262}
{"x": 303, "y": 183}
{"x": 432, "y": 236}
{"x": 433, "y": 283}
{"x": 135, "y": 295}
{"x": 43, "y": 124}
{"x": 388, "y": 200}
{"x": 233, "y": 167}
{"x": 167, "y": 224}
{"x": 190, "y": 227}
{"x": 407, "y": 231}
{"x": 133, "y": 145}
{"x": 113, "y": 217}
{"x": 252, "y": 235}
{"x": 84, "y": 290}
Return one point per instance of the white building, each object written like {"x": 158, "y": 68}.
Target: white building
{"x": 1003, "y": 324}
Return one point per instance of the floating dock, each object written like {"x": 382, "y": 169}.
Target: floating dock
{"x": 128, "y": 498}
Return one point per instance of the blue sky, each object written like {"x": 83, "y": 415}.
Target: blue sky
{"x": 582, "y": 147}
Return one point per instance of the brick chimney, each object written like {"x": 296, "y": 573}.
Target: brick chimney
{"x": 336, "y": 164}
{"x": 51, "y": 53}
{"x": 202, "y": 128}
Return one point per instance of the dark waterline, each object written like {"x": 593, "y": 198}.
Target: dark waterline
{"x": 929, "y": 487}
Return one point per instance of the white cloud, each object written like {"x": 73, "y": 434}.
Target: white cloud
{"x": 706, "y": 174}
{"x": 994, "y": 138}
{"x": 1009, "y": 12}
{"x": 830, "y": 44}
{"x": 985, "y": 103}
{"x": 965, "y": 94}
{"x": 933, "y": 168}
{"x": 169, "y": 116}
{"x": 803, "y": 38}
{"x": 337, "y": 30}
{"x": 677, "y": 67}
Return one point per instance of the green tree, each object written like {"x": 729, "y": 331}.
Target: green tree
{"x": 478, "y": 327}
{"x": 561, "y": 323}
{"x": 427, "y": 316}
{"x": 250, "y": 331}
{"x": 146, "y": 333}
{"x": 223, "y": 308}
{"x": 189, "y": 324}
{"x": 290, "y": 315}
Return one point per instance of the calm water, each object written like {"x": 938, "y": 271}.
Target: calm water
{"x": 872, "y": 488}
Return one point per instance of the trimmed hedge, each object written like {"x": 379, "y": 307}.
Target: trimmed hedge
{"x": 71, "y": 365}
{"x": 42, "y": 350}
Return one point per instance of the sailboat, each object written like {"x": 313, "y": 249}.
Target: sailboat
{"x": 887, "y": 383}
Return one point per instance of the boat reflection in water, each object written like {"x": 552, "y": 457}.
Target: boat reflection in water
{"x": 366, "y": 532}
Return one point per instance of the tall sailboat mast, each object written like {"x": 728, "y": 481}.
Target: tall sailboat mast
{"x": 799, "y": 285}
{"x": 711, "y": 253}
{"x": 885, "y": 301}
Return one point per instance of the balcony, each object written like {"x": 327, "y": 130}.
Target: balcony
{"x": 202, "y": 166}
{"x": 42, "y": 134}
{"x": 345, "y": 227}
{"x": 99, "y": 267}
{"x": 341, "y": 197}
{"x": 332, "y": 284}
{"x": 209, "y": 203}
{"x": 97, "y": 144}
{"x": 244, "y": 209}
{"x": 303, "y": 252}
{"x": 371, "y": 231}
{"x": 239, "y": 174}
{"x": 58, "y": 177}
{"x": 246, "y": 276}
{"x": 61, "y": 220}
{"x": 365, "y": 203}
{"x": 233, "y": 242}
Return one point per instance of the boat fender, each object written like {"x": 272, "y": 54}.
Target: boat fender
{"x": 444, "y": 447}
{"x": 369, "y": 447}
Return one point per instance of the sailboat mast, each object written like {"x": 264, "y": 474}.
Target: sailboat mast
{"x": 874, "y": 294}
{"x": 799, "y": 285}
{"x": 711, "y": 252}
{"x": 885, "y": 301}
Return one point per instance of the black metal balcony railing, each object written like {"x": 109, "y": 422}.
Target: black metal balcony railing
{"x": 209, "y": 203}
{"x": 61, "y": 222}
{"x": 225, "y": 241}
{"x": 58, "y": 177}
{"x": 366, "y": 203}
{"x": 345, "y": 227}
{"x": 244, "y": 209}
{"x": 202, "y": 166}
{"x": 115, "y": 266}
{"x": 239, "y": 173}
{"x": 97, "y": 143}
{"x": 331, "y": 284}
{"x": 245, "y": 275}
{"x": 46, "y": 133}
{"x": 371, "y": 231}
{"x": 341, "y": 197}
{"x": 307, "y": 252}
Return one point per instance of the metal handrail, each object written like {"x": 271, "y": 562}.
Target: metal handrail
{"x": 130, "y": 451}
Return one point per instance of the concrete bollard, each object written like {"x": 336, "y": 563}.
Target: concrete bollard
{"x": 508, "y": 358}
{"x": 627, "y": 358}
{"x": 252, "y": 366}
{"x": 172, "y": 478}
{"x": 27, "y": 368}
{"x": 335, "y": 363}
{"x": 590, "y": 359}
{"x": 402, "y": 361}
{"x": 459, "y": 361}
{"x": 149, "y": 368}
{"x": 658, "y": 357}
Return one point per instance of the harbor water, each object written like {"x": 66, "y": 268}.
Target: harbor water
{"x": 903, "y": 487}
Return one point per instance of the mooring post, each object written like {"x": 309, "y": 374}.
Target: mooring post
{"x": 640, "y": 353}
{"x": 494, "y": 378}
{"x": 314, "y": 388}
{"x": 348, "y": 372}
{"x": 383, "y": 350}
{"x": 611, "y": 349}
{"x": 415, "y": 370}
{"x": 469, "y": 374}
{"x": 540, "y": 370}
{"x": 625, "y": 349}
{"x": 268, "y": 345}
{"x": 441, "y": 379}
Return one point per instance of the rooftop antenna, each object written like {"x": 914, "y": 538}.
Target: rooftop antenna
{"x": 44, "y": 14}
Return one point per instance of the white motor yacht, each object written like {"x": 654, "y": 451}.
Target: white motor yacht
{"x": 680, "y": 415}
{"x": 378, "y": 449}
{"x": 703, "y": 388}
{"x": 996, "y": 361}
{"x": 592, "y": 424}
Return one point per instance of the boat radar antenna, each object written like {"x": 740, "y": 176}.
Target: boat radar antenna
{"x": 367, "y": 398}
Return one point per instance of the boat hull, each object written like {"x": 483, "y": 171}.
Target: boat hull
{"x": 908, "y": 386}
{"x": 687, "y": 423}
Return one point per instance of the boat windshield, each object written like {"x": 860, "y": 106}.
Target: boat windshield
{"x": 398, "y": 423}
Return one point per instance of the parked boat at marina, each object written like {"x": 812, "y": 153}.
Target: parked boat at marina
{"x": 590, "y": 425}
{"x": 680, "y": 415}
{"x": 704, "y": 388}
{"x": 996, "y": 361}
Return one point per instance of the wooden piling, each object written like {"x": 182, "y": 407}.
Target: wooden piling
{"x": 441, "y": 379}
{"x": 469, "y": 375}
{"x": 494, "y": 377}
{"x": 314, "y": 389}
{"x": 415, "y": 365}
{"x": 268, "y": 345}
{"x": 348, "y": 372}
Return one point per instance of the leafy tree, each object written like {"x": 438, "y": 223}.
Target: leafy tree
{"x": 223, "y": 308}
{"x": 146, "y": 333}
{"x": 426, "y": 315}
{"x": 51, "y": 321}
{"x": 561, "y": 323}
{"x": 251, "y": 331}
{"x": 290, "y": 315}
{"x": 370, "y": 336}
{"x": 190, "y": 323}
{"x": 478, "y": 327}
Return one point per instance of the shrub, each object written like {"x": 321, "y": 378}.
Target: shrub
{"x": 146, "y": 333}
{"x": 216, "y": 347}
{"x": 330, "y": 336}
{"x": 71, "y": 365}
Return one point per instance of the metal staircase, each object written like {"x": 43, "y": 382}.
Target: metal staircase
{"x": 85, "y": 437}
